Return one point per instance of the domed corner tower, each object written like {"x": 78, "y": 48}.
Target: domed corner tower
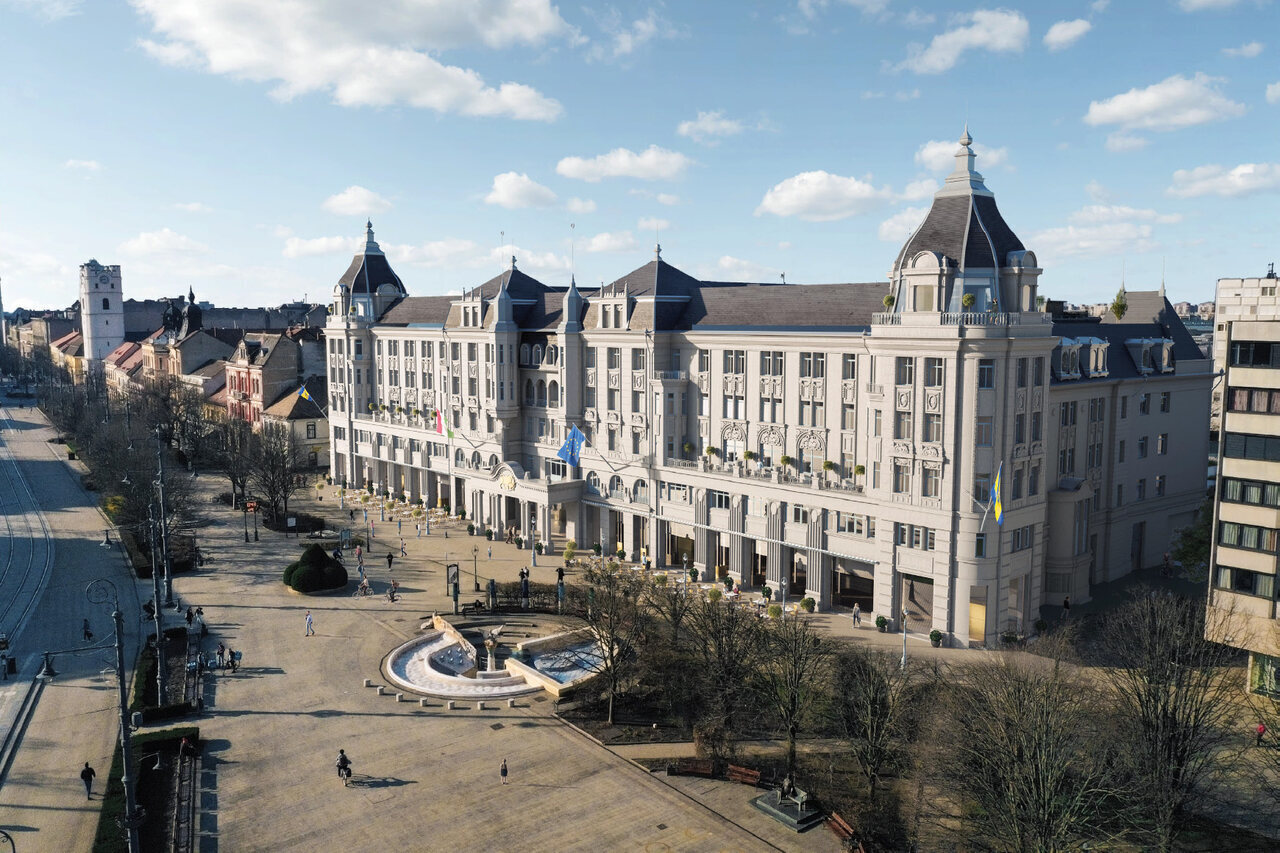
{"x": 964, "y": 246}
{"x": 371, "y": 286}
{"x": 101, "y": 310}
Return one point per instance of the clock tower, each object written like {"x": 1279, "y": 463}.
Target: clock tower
{"x": 101, "y": 311}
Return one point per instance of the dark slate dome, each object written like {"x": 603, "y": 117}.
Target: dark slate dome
{"x": 964, "y": 223}
{"x": 369, "y": 270}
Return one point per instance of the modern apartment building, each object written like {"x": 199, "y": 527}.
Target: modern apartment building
{"x": 840, "y": 441}
{"x": 1238, "y": 299}
{"x": 1246, "y": 531}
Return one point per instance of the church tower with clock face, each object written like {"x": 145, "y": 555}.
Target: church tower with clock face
{"x": 101, "y": 310}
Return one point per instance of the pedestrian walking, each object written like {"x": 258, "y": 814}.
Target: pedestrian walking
{"x": 191, "y": 616}
{"x": 403, "y": 552}
{"x": 88, "y": 635}
{"x": 490, "y": 552}
{"x": 351, "y": 513}
{"x": 1261, "y": 731}
{"x": 418, "y": 530}
{"x": 395, "y": 588}
{"x": 857, "y": 615}
{"x": 222, "y": 656}
{"x": 1066, "y": 607}
{"x": 399, "y": 526}
{"x": 359, "y": 554}
{"x": 344, "y": 766}
{"x": 502, "y": 771}
{"x": 310, "y": 626}
{"x": 87, "y": 774}
{"x": 391, "y": 558}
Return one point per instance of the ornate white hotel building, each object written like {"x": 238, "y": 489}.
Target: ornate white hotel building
{"x": 822, "y": 440}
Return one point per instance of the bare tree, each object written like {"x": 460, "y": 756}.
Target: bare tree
{"x": 617, "y": 622}
{"x": 1175, "y": 694}
{"x": 232, "y": 444}
{"x": 1027, "y": 754}
{"x": 791, "y": 676}
{"x": 670, "y": 602}
{"x": 728, "y": 645}
{"x": 871, "y": 694}
{"x": 276, "y": 470}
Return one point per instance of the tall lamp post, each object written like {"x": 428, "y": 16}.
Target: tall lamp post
{"x": 102, "y": 591}
{"x": 164, "y": 525}
{"x": 475, "y": 571}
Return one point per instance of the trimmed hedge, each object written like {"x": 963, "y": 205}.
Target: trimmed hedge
{"x": 315, "y": 571}
{"x": 110, "y": 838}
{"x": 306, "y": 523}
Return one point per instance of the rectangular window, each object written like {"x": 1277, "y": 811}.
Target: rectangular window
{"x": 848, "y": 416}
{"x": 933, "y": 427}
{"x": 902, "y": 426}
{"x": 1142, "y": 447}
{"x": 590, "y": 401}
{"x": 1019, "y": 428}
{"x": 1033, "y": 481}
{"x": 875, "y": 422}
{"x": 1023, "y": 369}
{"x": 1162, "y": 444}
{"x": 704, "y": 361}
{"x": 589, "y": 357}
{"x": 1160, "y": 485}
{"x": 637, "y": 401}
{"x": 1039, "y": 370}
{"x": 1124, "y": 407}
{"x": 614, "y": 356}
{"x": 1120, "y": 452}
{"x": 987, "y": 373}
{"x": 1016, "y": 490}
{"x": 637, "y": 359}
{"x": 982, "y": 488}
{"x": 902, "y": 477}
{"x": 930, "y": 483}
{"x": 980, "y": 545}
{"x": 614, "y": 393}
{"x": 983, "y": 430}
{"x": 735, "y": 361}
{"x": 904, "y": 370}
{"x": 1164, "y": 401}
{"x": 933, "y": 372}
{"x": 1144, "y": 404}
{"x": 1120, "y": 495}
{"x": 1141, "y": 491}
{"x": 850, "y": 370}
{"x": 1035, "y": 426}
{"x": 717, "y": 500}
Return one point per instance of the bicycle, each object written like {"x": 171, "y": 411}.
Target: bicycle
{"x": 362, "y": 591}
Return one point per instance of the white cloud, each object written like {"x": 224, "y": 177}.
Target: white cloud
{"x": 1201, "y": 5}
{"x": 1244, "y": 51}
{"x": 356, "y": 201}
{"x": 653, "y": 223}
{"x": 1097, "y": 191}
{"x": 652, "y": 164}
{"x": 1171, "y": 104}
{"x": 784, "y": 245}
{"x": 998, "y": 31}
{"x": 1273, "y": 93}
{"x": 822, "y": 197}
{"x": 535, "y": 262}
{"x": 162, "y": 242}
{"x": 708, "y": 126}
{"x": 811, "y": 8}
{"x": 917, "y": 190}
{"x": 40, "y": 276}
{"x": 193, "y": 207}
{"x": 1245, "y": 179}
{"x": 302, "y": 247}
{"x": 618, "y": 241}
{"x": 360, "y": 54}
{"x": 1092, "y": 240}
{"x": 1099, "y": 214}
{"x": 916, "y": 18}
{"x": 83, "y": 165}
{"x": 1100, "y": 5}
{"x": 1120, "y": 142}
{"x": 899, "y": 227}
{"x": 729, "y": 268}
{"x": 437, "y": 253}
{"x": 282, "y": 231}
{"x": 49, "y": 10}
{"x": 624, "y": 38}
{"x": 667, "y": 198}
{"x": 939, "y": 155}
{"x": 1063, "y": 34}
{"x": 514, "y": 190}
{"x": 581, "y": 205}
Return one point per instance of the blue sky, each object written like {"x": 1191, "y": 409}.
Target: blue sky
{"x": 237, "y": 146}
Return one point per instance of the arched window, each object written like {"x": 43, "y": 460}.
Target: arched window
{"x": 542, "y": 393}
{"x": 553, "y": 394}
{"x": 537, "y": 354}
{"x": 640, "y": 492}
{"x": 524, "y": 353}
{"x": 106, "y": 304}
{"x": 553, "y": 354}
{"x": 593, "y": 482}
{"x": 528, "y": 392}
{"x": 475, "y": 460}
{"x": 493, "y": 461}
{"x": 460, "y": 458}
{"x": 615, "y": 486}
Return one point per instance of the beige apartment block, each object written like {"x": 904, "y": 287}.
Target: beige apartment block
{"x": 1246, "y": 531}
{"x": 835, "y": 441}
{"x": 1238, "y": 299}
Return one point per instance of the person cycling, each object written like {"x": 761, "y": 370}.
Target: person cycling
{"x": 344, "y": 766}
{"x": 364, "y": 588}
{"x": 391, "y": 593}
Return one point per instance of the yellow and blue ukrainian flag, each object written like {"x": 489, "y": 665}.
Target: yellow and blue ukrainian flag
{"x": 302, "y": 392}
{"x": 995, "y": 497}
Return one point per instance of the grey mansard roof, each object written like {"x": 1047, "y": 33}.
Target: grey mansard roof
{"x": 369, "y": 270}
{"x": 1150, "y": 315}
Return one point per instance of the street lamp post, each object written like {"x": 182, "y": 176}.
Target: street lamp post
{"x": 475, "y": 571}
{"x": 162, "y": 664}
{"x": 101, "y": 591}
{"x": 904, "y": 639}
{"x": 164, "y": 526}
{"x": 244, "y": 505}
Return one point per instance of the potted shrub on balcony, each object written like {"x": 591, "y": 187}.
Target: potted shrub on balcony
{"x": 786, "y": 460}
{"x": 859, "y": 470}
{"x": 750, "y": 456}
{"x": 888, "y": 301}
{"x": 968, "y": 301}
{"x": 713, "y": 451}
{"x": 807, "y": 604}
{"x": 688, "y": 448}
{"x": 935, "y": 638}
{"x": 882, "y": 624}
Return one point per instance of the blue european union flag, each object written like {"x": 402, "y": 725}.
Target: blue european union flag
{"x": 571, "y": 450}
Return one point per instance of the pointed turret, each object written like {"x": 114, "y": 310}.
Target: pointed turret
{"x": 572, "y": 309}
{"x": 504, "y": 310}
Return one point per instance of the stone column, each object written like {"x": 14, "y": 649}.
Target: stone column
{"x": 629, "y": 534}
{"x": 775, "y": 552}
{"x": 818, "y": 578}
{"x": 702, "y": 557}
{"x": 739, "y": 559}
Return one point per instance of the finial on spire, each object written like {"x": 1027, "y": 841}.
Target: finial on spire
{"x": 513, "y": 262}
{"x": 657, "y": 251}
{"x": 966, "y": 140}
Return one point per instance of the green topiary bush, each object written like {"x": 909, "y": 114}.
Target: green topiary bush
{"x": 314, "y": 571}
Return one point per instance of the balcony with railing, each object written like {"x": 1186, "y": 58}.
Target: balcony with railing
{"x": 671, "y": 375}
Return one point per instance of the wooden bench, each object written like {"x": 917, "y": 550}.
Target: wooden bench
{"x": 691, "y": 767}
{"x": 744, "y": 775}
{"x": 844, "y": 832}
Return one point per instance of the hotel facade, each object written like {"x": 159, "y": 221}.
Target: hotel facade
{"x": 836, "y": 441}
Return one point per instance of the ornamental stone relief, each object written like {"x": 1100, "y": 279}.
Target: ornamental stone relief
{"x": 904, "y": 399}
{"x": 428, "y": 398}
{"x": 1037, "y": 448}
{"x": 903, "y": 448}
{"x": 591, "y": 379}
{"x": 455, "y": 400}
{"x": 812, "y": 440}
{"x": 933, "y": 401}
{"x": 638, "y": 421}
{"x": 1020, "y": 401}
{"x": 931, "y": 451}
{"x": 615, "y": 380}
{"x": 471, "y": 370}
{"x": 733, "y": 432}
{"x": 772, "y": 436}
{"x": 613, "y": 417}
{"x": 637, "y": 382}
{"x": 1019, "y": 451}
{"x": 1037, "y": 399}
{"x": 849, "y": 391}
{"x": 591, "y": 415}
